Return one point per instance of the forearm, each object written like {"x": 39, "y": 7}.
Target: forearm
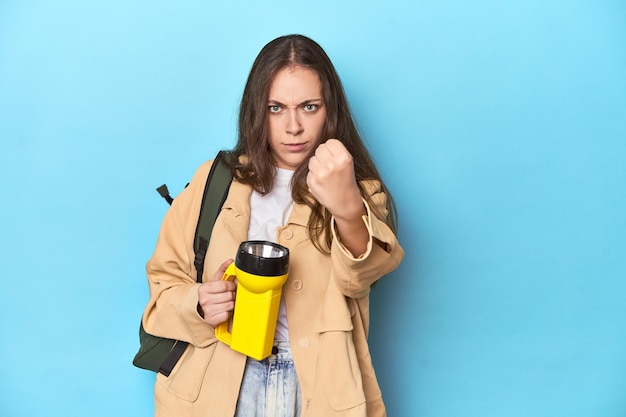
{"x": 352, "y": 232}
{"x": 383, "y": 253}
{"x": 172, "y": 309}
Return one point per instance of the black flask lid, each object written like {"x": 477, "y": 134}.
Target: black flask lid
{"x": 264, "y": 258}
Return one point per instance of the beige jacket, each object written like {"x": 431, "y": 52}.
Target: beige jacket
{"x": 326, "y": 296}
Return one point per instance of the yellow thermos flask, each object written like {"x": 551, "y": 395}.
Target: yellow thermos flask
{"x": 260, "y": 269}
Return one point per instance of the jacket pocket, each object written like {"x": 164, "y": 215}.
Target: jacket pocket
{"x": 339, "y": 370}
{"x": 186, "y": 378}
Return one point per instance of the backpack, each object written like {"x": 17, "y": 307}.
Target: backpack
{"x": 161, "y": 354}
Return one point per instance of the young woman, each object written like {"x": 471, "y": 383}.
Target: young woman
{"x": 303, "y": 179}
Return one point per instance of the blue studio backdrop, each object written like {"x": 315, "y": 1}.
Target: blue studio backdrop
{"x": 500, "y": 128}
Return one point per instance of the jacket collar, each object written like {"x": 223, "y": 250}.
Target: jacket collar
{"x": 300, "y": 215}
{"x": 238, "y": 200}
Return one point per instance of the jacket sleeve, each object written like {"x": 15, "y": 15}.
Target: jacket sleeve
{"x": 354, "y": 276}
{"x": 172, "y": 309}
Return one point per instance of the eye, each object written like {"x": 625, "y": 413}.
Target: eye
{"x": 274, "y": 108}
{"x": 310, "y": 107}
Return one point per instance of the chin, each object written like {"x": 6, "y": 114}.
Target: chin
{"x": 290, "y": 164}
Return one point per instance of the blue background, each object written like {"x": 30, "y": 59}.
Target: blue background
{"x": 499, "y": 126}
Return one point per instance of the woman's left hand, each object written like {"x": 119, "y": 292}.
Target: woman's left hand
{"x": 332, "y": 182}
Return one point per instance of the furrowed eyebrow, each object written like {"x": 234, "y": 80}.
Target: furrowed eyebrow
{"x": 305, "y": 102}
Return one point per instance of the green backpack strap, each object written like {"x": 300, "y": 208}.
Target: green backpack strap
{"x": 215, "y": 194}
{"x": 161, "y": 354}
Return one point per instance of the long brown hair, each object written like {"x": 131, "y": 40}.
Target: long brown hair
{"x": 253, "y": 138}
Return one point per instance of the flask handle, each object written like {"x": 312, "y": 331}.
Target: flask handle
{"x": 221, "y": 331}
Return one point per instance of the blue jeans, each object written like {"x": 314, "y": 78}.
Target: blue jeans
{"x": 270, "y": 387}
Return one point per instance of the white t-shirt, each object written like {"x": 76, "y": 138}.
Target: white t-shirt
{"x": 268, "y": 213}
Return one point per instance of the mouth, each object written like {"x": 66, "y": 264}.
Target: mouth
{"x": 295, "y": 147}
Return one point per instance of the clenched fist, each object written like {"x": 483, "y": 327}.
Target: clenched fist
{"x": 332, "y": 182}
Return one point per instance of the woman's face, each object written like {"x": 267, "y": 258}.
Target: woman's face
{"x": 296, "y": 115}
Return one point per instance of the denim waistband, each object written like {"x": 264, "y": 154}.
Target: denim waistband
{"x": 282, "y": 351}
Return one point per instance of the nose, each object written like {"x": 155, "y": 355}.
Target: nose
{"x": 294, "y": 127}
